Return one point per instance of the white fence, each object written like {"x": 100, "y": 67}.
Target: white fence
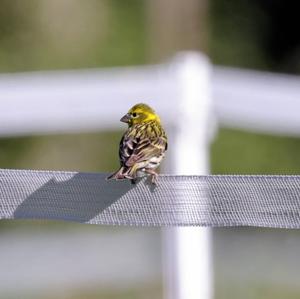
{"x": 188, "y": 93}
{"x": 66, "y": 101}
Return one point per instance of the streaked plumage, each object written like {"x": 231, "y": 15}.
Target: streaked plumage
{"x": 143, "y": 145}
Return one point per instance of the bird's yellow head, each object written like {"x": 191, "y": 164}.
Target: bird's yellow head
{"x": 138, "y": 114}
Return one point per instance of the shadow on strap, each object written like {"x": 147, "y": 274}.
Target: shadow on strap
{"x": 80, "y": 198}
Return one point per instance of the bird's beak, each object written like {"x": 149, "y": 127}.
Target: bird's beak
{"x": 125, "y": 118}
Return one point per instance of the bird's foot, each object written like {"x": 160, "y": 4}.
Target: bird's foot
{"x": 154, "y": 176}
{"x": 154, "y": 179}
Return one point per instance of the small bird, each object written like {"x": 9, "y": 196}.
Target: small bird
{"x": 142, "y": 146}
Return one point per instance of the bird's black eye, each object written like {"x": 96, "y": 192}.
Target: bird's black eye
{"x": 134, "y": 114}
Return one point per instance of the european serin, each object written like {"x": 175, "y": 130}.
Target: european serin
{"x": 143, "y": 145}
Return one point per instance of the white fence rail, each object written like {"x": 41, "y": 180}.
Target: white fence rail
{"x": 257, "y": 101}
{"x": 85, "y": 100}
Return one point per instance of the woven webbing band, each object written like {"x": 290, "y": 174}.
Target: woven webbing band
{"x": 265, "y": 201}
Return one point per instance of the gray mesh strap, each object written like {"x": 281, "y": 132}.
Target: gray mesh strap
{"x": 268, "y": 201}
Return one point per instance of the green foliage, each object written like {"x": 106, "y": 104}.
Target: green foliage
{"x": 237, "y": 31}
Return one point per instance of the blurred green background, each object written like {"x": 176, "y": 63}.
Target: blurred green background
{"x": 71, "y": 34}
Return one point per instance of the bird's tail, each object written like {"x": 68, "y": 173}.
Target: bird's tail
{"x": 123, "y": 173}
{"x": 118, "y": 175}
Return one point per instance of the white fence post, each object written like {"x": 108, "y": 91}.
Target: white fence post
{"x": 187, "y": 250}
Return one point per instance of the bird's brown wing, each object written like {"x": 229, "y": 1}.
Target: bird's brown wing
{"x": 134, "y": 150}
{"x": 146, "y": 149}
{"x": 141, "y": 143}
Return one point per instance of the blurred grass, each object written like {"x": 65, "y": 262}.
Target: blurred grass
{"x": 62, "y": 34}
{"x": 141, "y": 292}
{"x": 255, "y": 291}
{"x": 232, "y": 151}
{"x": 240, "y": 152}
{"x": 80, "y": 152}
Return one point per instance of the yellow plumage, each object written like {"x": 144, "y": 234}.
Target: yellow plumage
{"x": 143, "y": 145}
